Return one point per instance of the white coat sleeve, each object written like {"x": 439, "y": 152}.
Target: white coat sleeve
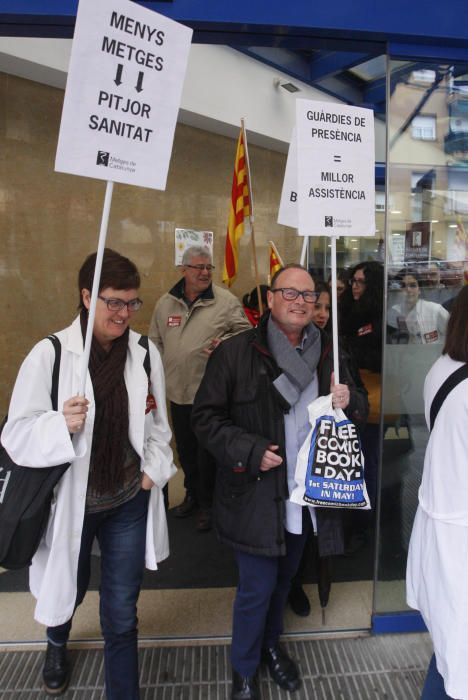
{"x": 157, "y": 461}
{"x": 35, "y": 435}
{"x": 442, "y": 320}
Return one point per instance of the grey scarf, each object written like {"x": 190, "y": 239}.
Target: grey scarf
{"x": 298, "y": 369}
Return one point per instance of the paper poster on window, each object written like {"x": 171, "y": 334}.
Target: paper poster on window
{"x": 188, "y": 237}
{"x": 417, "y": 241}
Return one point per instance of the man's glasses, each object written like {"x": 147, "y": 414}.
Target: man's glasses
{"x": 118, "y": 304}
{"x": 410, "y": 285}
{"x": 200, "y": 268}
{"x": 290, "y": 294}
{"x": 359, "y": 283}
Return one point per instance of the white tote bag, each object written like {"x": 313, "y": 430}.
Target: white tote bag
{"x": 330, "y": 464}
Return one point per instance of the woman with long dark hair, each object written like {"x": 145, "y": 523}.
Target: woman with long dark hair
{"x": 322, "y": 307}
{"x": 360, "y": 324}
{"x": 437, "y": 569}
{"x": 361, "y": 309}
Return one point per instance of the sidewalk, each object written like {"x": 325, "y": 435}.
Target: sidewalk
{"x": 386, "y": 667}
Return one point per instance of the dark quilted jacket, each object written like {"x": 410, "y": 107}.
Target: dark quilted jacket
{"x": 237, "y": 413}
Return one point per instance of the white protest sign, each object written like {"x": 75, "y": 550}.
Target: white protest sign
{"x": 288, "y": 214}
{"x": 123, "y": 92}
{"x": 335, "y": 169}
{"x": 188, "y": 237}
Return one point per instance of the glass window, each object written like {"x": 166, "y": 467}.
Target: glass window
{"x": 424, "y": 127}
{"x": 425, "y": 263}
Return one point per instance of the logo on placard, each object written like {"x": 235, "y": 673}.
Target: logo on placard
{"x": 102, "y": 158}
{"x": 329, "y": 221}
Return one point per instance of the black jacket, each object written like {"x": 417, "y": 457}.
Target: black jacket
{"x": 236, "y": 415}
{"x": 361, "y": 331}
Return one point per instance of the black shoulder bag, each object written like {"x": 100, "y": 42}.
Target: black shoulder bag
{"x": 444, "y": 390}
{"x": 25, "y": 496}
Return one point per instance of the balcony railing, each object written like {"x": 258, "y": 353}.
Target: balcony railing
{"x": 456, "y": 142}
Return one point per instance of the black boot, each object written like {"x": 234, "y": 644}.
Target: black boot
{"x": 244, "y": 687}
{"x": 299, "y": 601}
{"x": 56, "y": 671}
{"x": 187, "y": 507}
{"x": 282, "y": 668}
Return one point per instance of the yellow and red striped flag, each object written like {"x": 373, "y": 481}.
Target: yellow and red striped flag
{"x": 239, "y": 211}
{"x": 275, "y": 261}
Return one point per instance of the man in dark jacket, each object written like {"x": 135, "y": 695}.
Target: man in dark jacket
{"x": 251, "y": 413}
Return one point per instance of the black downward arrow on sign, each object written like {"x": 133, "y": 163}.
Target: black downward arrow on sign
{"x": 139, "y": 85}
{"x": 118, "y": 75}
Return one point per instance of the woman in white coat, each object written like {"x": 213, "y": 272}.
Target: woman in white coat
{"x": 117, "y": 440}
{"x": 437, "y": 570}
{"x": 416, "y": 320}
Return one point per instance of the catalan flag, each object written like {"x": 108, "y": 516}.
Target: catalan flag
{"x": 275, "y": 261}
{"x": 239, "y": 211}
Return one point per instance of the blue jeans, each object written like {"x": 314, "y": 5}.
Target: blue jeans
{"x": 121, "y": 533}
{"x": 434, "y": 684}
{"x": 262, "y": 593}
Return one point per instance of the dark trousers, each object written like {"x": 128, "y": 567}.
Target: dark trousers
{"x": 370, "y": 436}
{"x": 121, "y": 533}
{"x": 261, "y": 597}
{"x": 197, "y": 463}
{"x": 434, "y": 684}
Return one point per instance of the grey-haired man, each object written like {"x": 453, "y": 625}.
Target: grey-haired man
{"x": 188, "y": 322}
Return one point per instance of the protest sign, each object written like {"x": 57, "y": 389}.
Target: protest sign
{"x": 335, "y": 169}
{"x": 123, "y": 92}
{"x": 288, "y": 214}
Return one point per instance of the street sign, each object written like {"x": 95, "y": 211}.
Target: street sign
{"x": 123, "y": 93}
{"x": 335, "y": 169}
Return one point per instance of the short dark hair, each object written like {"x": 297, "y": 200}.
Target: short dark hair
{"x": 456, "y": 341}
{"x": 408, "y": 272}
{"x": 251, "y": 300}
{"x": 117, "y": 272}
{"x": 323, "y": 287}
{"x": 290, "y": 266}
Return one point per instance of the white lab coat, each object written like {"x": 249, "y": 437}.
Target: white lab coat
{"x": 437, "y": 572}
{"x": 37, "y": 436}
{"x": 425, "y": 322}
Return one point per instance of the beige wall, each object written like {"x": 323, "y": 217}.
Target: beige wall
{"x": 50, "y": 221}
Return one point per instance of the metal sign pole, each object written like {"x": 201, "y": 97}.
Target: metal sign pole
{"x": 305, "y": 244}
{"x": 334, "y": 310}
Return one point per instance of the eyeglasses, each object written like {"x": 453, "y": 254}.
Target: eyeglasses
{"x": 200, "y": 268}
{"x": 290, "y": 294}
{"x": 118, "y": 304}
{"x": 410, "y": 285}
{"x": 357, "y": 282}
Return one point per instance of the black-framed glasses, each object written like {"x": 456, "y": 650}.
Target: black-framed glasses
{"x": 114, "y": 304}
{"x": 357, "y": 282}
{"x": 200, "y": 268}
{"x": 290, "y": 294}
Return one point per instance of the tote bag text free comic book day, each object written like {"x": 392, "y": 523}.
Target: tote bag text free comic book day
{"x": 330, "y": 463}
